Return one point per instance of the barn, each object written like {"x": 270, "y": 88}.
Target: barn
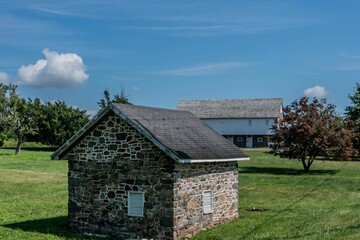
{"x": 142, "y": 172}
{"x": 245, "y": 122}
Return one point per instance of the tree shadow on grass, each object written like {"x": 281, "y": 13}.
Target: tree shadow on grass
{"x": 55, "y": 226}
{"x": 33, "y": 149}
{"x": 5, "y": 154}
{"x": 283, "y": 171}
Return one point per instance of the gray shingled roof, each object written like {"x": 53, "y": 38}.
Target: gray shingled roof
{"x": 179, "y": 134}
{"x": 233, "y": 108}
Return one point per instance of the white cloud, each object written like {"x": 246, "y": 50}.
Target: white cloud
{"x": 4, "y": 78}
{"x": 57, "y": 70}
{"x": 209, "y": 69}
{"x": 136, "y": 88}
{"x": 308, "y": 73}
{"x": 350, "y": 67}
{"x": 348, "y": 55}
{"x": 317, "y": 91}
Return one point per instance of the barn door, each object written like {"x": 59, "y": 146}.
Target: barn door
{"x": 249, "y": 141}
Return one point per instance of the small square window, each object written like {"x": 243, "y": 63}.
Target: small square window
{"x": 260, "y": 139}
{"x": 207, "y": 201}
{"x": 136, "y": 204}
{"x": 239, "y": 139}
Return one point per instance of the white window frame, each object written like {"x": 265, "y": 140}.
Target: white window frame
{"x": 260, "y": 139}
{"x": 207, "y": 209}
{"x": 141, "y": 205}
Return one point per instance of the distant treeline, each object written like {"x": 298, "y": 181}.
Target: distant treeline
{"x": 50, "y": 123}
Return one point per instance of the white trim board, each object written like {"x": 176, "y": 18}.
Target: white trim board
{"x": 212, "y": 160}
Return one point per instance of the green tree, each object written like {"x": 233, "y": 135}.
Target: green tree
{"x": 16, "y": 114}
{"x": 309, "y": 129}
{"x": 353, "y": 113}
{"x": 122, "y": 97}
{"x": 58, "y": 122}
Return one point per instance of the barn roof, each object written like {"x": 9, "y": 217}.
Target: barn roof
{"x": 233, "y": 108}
{"x": 180, "y": 134}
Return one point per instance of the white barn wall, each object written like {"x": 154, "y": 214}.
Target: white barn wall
{"x": 240, "y": 126}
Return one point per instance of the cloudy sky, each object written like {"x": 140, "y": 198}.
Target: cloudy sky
{"x": 164, "y": 51}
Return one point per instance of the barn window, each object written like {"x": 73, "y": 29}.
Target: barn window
{"x": 260, "y": 139}
{"x": 239, "y": 139}
{"x": 136, "y": 204}
{"x": 250, "y": 122}
{"x": 207, "y": 201}
{"x": 267, "y": 122}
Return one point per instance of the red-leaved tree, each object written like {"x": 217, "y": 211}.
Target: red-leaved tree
{"x": 309, "y": 129}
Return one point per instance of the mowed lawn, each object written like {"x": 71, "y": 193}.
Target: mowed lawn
{"x": 276, "y": 200}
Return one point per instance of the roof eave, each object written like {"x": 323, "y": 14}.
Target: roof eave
{"x": 213, "y": 160}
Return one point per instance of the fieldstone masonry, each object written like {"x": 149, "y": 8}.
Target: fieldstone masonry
{"x": 114, "y": 158}
{"x": 190, "y": 180}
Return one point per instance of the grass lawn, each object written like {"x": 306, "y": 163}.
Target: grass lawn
{"x": 324, "y": 204}
{"x": 33, "y": 196}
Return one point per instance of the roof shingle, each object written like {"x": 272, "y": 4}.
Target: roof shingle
{"x": 233, "y": 108}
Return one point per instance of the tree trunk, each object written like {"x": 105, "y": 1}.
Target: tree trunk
{"x": 307, "y": 164}
{"x": 18, "y": 146}
{"x": 306, "y": 168}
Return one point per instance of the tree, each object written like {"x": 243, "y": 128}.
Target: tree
{"x": 16, "y": 114}
{"x": 353, "y": 113}
{"x": 118, "y": 98}
{"x": 58, "y": 122}
{"x": 311, "y": 129}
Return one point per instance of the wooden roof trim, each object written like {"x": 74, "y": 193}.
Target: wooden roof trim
{"x": 213, "y": 160}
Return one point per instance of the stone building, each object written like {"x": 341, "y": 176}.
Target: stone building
{"x": 141, "y": 172}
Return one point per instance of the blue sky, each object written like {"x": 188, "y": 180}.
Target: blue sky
{"x": 164, "y": 51}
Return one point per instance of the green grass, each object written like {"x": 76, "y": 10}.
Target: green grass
{"x": 33, "y": 196}
{"x": 324, "y": 204}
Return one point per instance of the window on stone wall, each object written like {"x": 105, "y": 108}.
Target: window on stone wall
{"x": 136, "y": 204}
{"x": 207, "y": 201}
{"x": 260, "y": 139}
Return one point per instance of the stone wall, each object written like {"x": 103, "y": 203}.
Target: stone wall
{"x": 114, "y": 158}
{"x": 110, "y": 161}
{"x": 190, "y": 180}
